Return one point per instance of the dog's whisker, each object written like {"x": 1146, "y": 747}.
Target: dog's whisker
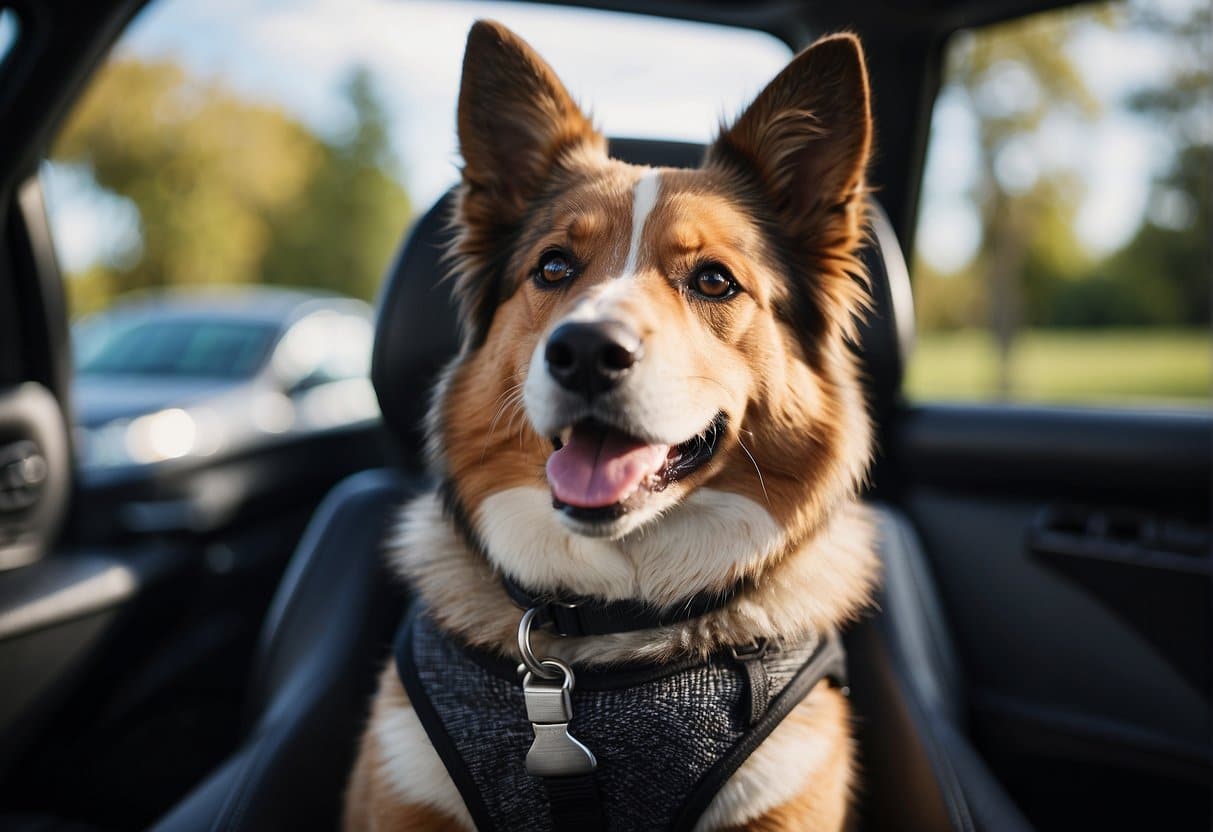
{"x": 753, "y": 461}
{"x": 513, "y": 398}
{"x": 497, "y": 416}
{"x": 508, "y": 396}
{"x": 509, "y": 391}
{"x": 518, "y": 410}
{"x": 715, "y": 381}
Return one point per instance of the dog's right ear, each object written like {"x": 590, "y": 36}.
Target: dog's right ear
{"x": 517, "y": 125}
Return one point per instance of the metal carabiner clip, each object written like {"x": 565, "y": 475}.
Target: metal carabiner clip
{"x": 549, "y": 708}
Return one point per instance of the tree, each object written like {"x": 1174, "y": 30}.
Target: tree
{"x": 1013, "y": 77}
{"x": 351, "y": 217}
{"x": 1171, "y": 254}
{"x": 1160, "y": 277}
{"x": 231, "y": 191}
{"x": 206, "y": 171}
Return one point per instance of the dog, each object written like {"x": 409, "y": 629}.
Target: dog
{"x": 656, "y": 411}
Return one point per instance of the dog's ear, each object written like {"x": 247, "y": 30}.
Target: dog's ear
{"x": 517, "y": 126}
{"x": 807, "y": 138}
{"x": 805, "y": 143}
{"x": 516, "y": 119}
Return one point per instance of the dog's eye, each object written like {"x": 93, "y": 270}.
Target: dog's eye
{"x": 554, "y": 268}
{"x": 714, "y": 282}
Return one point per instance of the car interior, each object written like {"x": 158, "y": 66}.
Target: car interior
{"x": 1039, "y": 655}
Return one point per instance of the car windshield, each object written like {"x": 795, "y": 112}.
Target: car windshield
{"x": 220, "y": 349}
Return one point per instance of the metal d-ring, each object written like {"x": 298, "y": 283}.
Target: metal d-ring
{"x": 560, "y": 669}
{"x": 533, "y": 664}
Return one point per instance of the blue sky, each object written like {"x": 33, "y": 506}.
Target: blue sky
{"x": 640, "y": 76}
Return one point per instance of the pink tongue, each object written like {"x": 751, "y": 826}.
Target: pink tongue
{"x": 599, "y": 467}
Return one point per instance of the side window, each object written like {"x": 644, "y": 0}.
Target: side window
{"x": 323, "y": 348}
{"x": 291, "y": 144}
{"x": 9, "y": 29}
{"x": 1063, "y": 247}
{"x": 234, "y": 167}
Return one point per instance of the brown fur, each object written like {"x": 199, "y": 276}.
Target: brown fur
{"x": 779, "y": 203}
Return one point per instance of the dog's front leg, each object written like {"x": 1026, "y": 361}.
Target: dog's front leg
{"x": 399, "y": 781}
{"x": 800, "y": 778}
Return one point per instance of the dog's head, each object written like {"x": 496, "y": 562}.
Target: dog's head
{"x": 654, "y": 349}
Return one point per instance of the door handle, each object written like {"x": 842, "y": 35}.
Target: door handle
{"x": 1122, "y": 536}
{"x": 1154, "y": 572}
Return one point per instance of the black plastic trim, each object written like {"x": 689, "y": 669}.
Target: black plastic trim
{"x": 61, "y": 589}
{"x": 29, "y": 413}
{"x": 1037, "y": 450}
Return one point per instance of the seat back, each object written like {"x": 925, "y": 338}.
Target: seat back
{"x": 328, "y": 629}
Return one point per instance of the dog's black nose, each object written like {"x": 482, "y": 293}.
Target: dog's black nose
{"x": 591, "y": 358}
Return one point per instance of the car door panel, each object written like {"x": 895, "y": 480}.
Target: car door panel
{"x": 1064, "y": 615}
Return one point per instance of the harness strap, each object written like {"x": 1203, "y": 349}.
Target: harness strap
{"x": 419, "y": 699}
{"x": 574, "y": 615}
{"x": 575, "y": 801}
{"x": 575, "y": 804}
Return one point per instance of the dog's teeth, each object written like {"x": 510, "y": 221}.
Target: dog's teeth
{"x": 565, "y": 436}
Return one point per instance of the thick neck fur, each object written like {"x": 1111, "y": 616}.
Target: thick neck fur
{"x": 792, "y": 592}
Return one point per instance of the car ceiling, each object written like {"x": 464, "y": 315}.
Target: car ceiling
{"x": 797, "y": 22}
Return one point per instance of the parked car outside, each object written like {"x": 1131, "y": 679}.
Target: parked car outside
{"x": 167, "y": 376}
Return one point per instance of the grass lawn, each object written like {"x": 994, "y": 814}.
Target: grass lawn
{"x": 1112, "y": 367}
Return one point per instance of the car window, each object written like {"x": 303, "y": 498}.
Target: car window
{"x": 9, "y": 29}
{"x": 175, "y": 347}
{"x": 291, "y": 144}
{"x": 324, "y": 347}
{"x": 1062, "y": 249}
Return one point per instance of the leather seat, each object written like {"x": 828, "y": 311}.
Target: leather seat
{"x": 331, "y": 623}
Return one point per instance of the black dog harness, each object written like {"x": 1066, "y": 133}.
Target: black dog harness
{"x": 627, "y": 748}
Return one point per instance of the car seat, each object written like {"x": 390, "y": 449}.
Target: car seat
{"x": 329, "y": 629}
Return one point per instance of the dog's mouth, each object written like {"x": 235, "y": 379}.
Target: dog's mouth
{"x": 598, "y": 472}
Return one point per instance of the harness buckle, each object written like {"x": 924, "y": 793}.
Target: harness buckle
{"x": 549, "y": 707}
{"x": 555, "y": 752}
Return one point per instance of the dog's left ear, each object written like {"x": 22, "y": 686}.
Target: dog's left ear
{"x": 807, "y": 139}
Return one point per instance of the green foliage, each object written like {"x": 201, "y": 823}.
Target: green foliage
{"x": 342, "y": 232}
{"x": 1029, "y": 257}
{"x": 231, "y": 191}
{"x": 944, "y": 302}
{"x": 1161, "y": 277}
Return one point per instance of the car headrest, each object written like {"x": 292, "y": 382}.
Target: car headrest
{"x": 417, "y": 329}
